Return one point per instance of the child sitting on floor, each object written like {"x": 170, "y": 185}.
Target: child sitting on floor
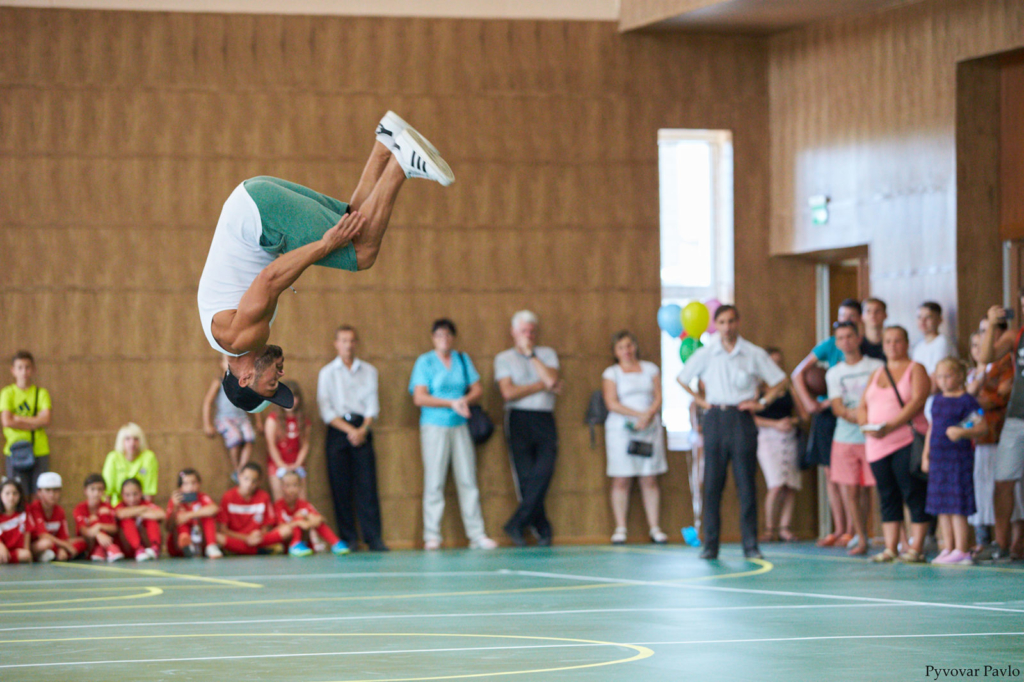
{"x": 191, "y": 519}
{"x": 248, "y": 522}
{"x": 140, "y": 522}
{"x": 51, "y": 539}
{"x": 291, "y": 508}
{"x": 15, "y": 525}
{"x": 96, "y": 522}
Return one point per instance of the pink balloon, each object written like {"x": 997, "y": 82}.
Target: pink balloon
{"x": 712, "y": 305}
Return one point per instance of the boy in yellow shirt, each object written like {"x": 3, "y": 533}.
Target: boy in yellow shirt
{"x": 25, "y": 413}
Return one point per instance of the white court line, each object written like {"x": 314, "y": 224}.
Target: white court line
{"x": 756, "y": 640}
{"x": 816, "y": 595}
{"x": 411, "y": 616}
{"x": 295, "y": 576}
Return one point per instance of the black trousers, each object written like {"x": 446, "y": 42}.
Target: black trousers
{"x": 533, "y": 446}
{"x": 896, "y": 485}
{"x": 730, "y": 435}
{"x": 353, "y": 474}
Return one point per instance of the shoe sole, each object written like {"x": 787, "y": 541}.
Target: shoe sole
{"x": 427, "y": 151}
{"x": 400, "y": 123}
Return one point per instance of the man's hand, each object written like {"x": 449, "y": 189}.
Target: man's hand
{"x": 996, "y": 314}
{"x": 461, "y": 407}
{"x": 357, "y": 437}
{"x": 347, "y": 228}
{"x": 751, "y": 406}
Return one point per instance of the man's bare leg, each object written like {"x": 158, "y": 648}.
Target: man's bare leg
{"x": 377, "y": 210}
{"x": 374, "y": 168}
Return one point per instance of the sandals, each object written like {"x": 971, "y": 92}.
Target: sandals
{"x": 658, "y": 536}
{"x": 769, "y": 535}
{"x": 786, "y": 534}
{"x": 912, "y": 556}
{"x": 886, "y": 556}
{"x": 829, "y": 540}
{"x": 619, "y": 536}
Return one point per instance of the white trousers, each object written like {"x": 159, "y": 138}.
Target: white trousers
{"x": 441, "y": 446}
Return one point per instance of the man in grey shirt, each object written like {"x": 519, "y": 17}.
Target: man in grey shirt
{"x": 528, "y": 377}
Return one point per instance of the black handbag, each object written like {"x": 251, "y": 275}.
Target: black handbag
{"x": 23, "y": 452}
{"x": 597, "y": 413}
{"x": 917, "y": 447}
{"x": 481, "y": 427}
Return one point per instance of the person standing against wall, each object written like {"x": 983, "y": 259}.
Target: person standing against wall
{"x": 347, "y": 396}
{"x": 25, "y": 411}
{"x": 529, "y": 379}
{"x": 731, "y": 368}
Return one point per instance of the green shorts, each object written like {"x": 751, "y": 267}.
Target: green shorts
{"x": 293, "y": 216}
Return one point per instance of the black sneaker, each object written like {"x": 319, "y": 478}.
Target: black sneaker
{"x": 378, "y": 547}
{"x": 709, "y": 554}
{"x": 515, "y": 534}
{"x": 992, "y": 554}
{"x": 753, "y": 553}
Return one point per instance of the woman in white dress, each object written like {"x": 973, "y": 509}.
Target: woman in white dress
{"x": 633, "y": 436}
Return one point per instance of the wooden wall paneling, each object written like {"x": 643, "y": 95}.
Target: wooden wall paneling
{"x": 1011, "y": 148}
{"x": 120, "y": 142}
{"x": 978, "y": 242}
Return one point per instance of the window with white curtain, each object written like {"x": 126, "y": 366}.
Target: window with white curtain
{"x": 695, "y": 189}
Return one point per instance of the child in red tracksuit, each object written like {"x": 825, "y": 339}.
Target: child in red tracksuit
{"x": 51, "y": 541}
{"x": 247, "y": 518}
{"x": 135, "y": 514}
{"x": 291, "y": 508}
{"x": 96, "y": 522}
{"x": 191, "y": 519}
{"x": 15, "y": 525}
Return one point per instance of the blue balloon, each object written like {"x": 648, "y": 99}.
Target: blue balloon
{"x": 670, "y": 319}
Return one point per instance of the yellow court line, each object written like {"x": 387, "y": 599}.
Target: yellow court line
{"x": 300, "y": 600}
{"x": 123, "y": 588}
{"x": 765, "y": 567}
{"x": 150, "y": 592}
{"x": 642, "y": 652}
{"x": 156, "y": 573}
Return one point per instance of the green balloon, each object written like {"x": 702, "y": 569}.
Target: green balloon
{"x": 688, "y": 347}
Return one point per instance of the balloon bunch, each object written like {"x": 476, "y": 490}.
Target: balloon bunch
{"x": 688, "y": 323}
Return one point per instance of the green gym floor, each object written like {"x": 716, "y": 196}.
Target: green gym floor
{"x": 634, "y": 613}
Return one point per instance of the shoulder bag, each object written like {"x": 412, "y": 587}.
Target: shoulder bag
{"x": 480, "y": 425}
{"x": 917, "y": 447}
{"x": 23, "y": 452}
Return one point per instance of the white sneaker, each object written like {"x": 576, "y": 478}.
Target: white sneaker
{"x": 47, "y": 556}
{"x": 432, "y": 545}
{"x": 213, "y": 552}
{"x": 393, "y": 125}
{"x": 151, "y": 553}
{"x": 483, "y": 542}
{"x": 420, "y": 160}
{"x": 142, "y": 555}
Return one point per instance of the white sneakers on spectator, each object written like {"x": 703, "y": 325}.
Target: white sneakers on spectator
{"x": 432, "y": 545}
{"x": 47, "y": 556}
{"x": 483, "y": 542}
{"x": 213, "y": 552}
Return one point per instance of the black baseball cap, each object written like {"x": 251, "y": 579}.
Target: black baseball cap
{"x": 249, "y": 400}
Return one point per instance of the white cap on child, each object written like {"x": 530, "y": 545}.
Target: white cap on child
{"x": 50, "y": 479}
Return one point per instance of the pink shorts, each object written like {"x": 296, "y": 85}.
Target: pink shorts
{"x": 850, "y": 465}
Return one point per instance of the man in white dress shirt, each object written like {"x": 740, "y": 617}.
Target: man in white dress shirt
{"x": 346, "y": 394}
{"x": 732, "y": 369}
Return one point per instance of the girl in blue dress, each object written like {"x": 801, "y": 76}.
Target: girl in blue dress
{"x": 949, "y": 459}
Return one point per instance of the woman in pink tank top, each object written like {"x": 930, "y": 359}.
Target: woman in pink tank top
{"x": 888, "y": 447}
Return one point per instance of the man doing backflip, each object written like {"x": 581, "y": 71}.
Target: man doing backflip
{"x": 271, "y": 230}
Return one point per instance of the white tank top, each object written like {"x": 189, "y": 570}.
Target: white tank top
{"x": 235, "y": 261}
